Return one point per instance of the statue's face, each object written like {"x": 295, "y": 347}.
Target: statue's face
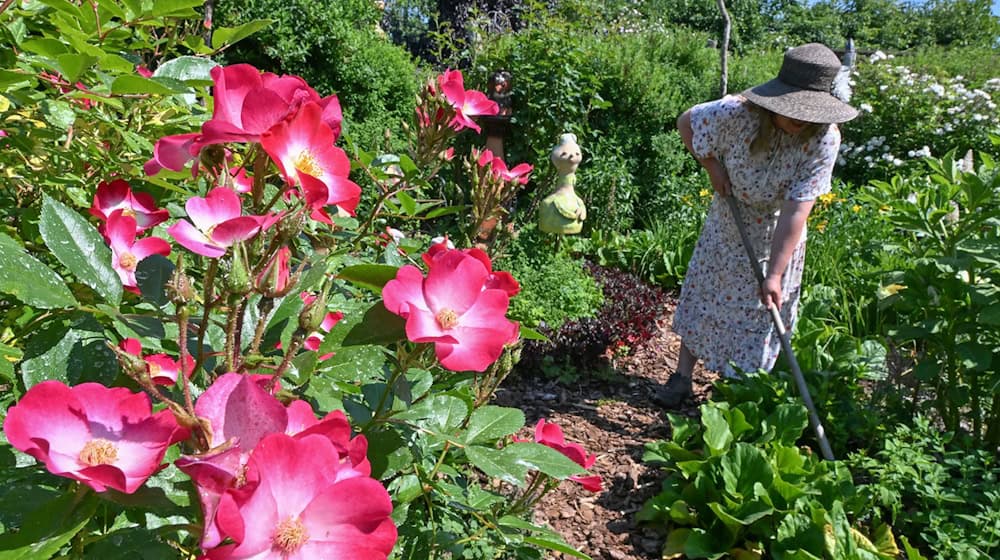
{"x": 567, "y": 158}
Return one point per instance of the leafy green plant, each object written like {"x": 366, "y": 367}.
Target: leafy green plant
{"x": 737, "y": 486}
{"x": 940, "y": 495}
{"x": 945, "y": 294}
{"x": 555, "y": 287}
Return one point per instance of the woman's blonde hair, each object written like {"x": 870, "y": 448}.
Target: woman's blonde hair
{"x": 765, "y": 130}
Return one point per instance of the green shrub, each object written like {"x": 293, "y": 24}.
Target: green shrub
{"x": 336, "y": 47}
{"x": 939, "y": 496}
{"x": 555, "y": 287}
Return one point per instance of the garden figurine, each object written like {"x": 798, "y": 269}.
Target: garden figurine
{"x": 563, "y": 212}
{"x": 772, "y": 148}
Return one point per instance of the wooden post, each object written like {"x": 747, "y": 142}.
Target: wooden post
{"x": 724, "y": 49}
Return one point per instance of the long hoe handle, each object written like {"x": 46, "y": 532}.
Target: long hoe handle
{"x": 786, "y": 343}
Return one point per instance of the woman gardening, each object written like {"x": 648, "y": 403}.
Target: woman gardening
{"x": 773, "y": 148}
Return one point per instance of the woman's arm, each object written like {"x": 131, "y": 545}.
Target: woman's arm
{"x": 716, "y": 171}
{"x": 787, "y": 234}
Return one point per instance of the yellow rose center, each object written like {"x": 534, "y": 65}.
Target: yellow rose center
{"x": 306, "y": 163}
{"x": 127, "y": 261}
{"x": 447, "y": 318}
{"x": 128, "y": 211}
{"x": 154, "y": 369}
{"x": 290, "y": 536}
{"x": 98, "y": 452}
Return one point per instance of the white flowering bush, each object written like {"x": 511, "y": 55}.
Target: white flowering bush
{"x": 907, "y": 116}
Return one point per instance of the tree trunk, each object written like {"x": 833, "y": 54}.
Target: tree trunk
{"x": 724, "y": 49}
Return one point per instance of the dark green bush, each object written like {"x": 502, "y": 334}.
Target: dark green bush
{"x": 337, "y": 48}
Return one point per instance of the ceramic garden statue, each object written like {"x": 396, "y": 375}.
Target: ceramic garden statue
{"x": 563, "y": 212}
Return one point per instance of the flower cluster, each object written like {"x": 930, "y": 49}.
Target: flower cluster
{"x": 920, "y": 115}
{"x": 125, "y": 214}
{"x": 493, "y": 189}
{"x": 444, "y": 108}
{"x": 294, "y": 126}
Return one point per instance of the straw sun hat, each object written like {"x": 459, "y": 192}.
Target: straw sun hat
{"x": 802, "y": 89}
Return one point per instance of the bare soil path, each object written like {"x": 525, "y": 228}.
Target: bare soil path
{"x": 613, "y": 416}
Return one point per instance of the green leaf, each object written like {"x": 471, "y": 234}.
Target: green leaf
{"x": 176, "y": 8}
{"x": 717, "y": 434}
{"x": 59, "y": 114}
{"x": 73, "y": 65}
{"x": 186, "y": 68}
{"x": 47, "y": 529}
{"x": 556, "y": 545}
{"x": 224, "y": 36}
{"x": 63, "y": 6}
{"x": 370, "y": 276}
{"x": 528, "y": 333}
{"x": 9, "y": 79}
{"x": 73, "y": 355}
{"x": 790, "y": 420}
{"x": 442, "y": 413}
{"x": 538, "y": 457}
{"x": 151, "y": 276}
{"x": 445, "y": 211}
{"x": 8, "y": 357}
{"x": 79, "y": 248}
{"x": 491, "y": 422}
{"x": 707, "y": 544}
{"x": 30, "y": 281}
{"x": 379, "y": 326}
{"x": 133, "y": 84}
{"x": 743, "y": 466}
{"x": 407, "y": 203}
{"x": 45, "y": 46}
{"x": 497, "y": 464}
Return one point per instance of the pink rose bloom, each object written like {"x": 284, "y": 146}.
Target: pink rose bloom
{"x": 103, "y": 437}
{"x": 218, "y": 223}
{"x": 519, "y": 173}
{"x": 551, "y": 435}
{"x": 126, "y": 252}
{"x": 163, "y": 369}
{"x": 300, "y": 506}
{"x": 242, "y": 182}
{"x": 453, "y": 308}
{"x": 241, "y": 413}
{"x": 248, "y": 103}
{"x": 466, "y": 103}
{"x": 303, "y": 149}
{"x": 174, "y": 152}
{"x": 498, "y": 279}
{"x": 118, "y": 195}
{"x": 143, "y": 71}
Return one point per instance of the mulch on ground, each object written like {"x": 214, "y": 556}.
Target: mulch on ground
{"x": 612, "y": 416}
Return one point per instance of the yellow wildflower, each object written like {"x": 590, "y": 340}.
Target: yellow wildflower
{"x": 855, "y": 208}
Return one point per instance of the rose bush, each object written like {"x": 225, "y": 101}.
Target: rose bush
{"x": 178, "y": 342}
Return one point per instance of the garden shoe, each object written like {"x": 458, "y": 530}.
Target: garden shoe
{"x": 674, "y": 392}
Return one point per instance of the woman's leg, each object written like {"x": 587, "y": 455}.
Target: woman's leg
{"x": 685, "y": 362}
{"x": 678, "y": 387}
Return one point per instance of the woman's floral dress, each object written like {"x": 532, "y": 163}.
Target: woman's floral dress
{"x": 720, "y": 317}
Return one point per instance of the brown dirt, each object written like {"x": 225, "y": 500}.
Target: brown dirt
{"x": 610, "y": 414}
